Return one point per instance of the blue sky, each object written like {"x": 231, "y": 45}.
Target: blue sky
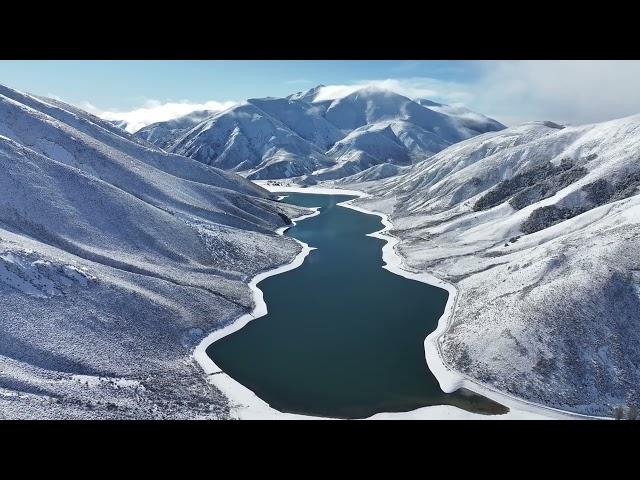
{"x": 124, "y": 84}
{"x": 511, "y": 91}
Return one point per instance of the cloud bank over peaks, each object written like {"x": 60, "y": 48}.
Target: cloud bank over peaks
{"x": 155, "y": 111}
{"x": 573, "y": 91}
{"x": 516, "y": 91}
{"x": 416, "y": 87}
{"x": 511, "y": 91}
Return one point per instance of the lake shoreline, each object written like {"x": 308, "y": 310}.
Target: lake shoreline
{"x": 450, "y": 380}
{"x": 247, "y": 405}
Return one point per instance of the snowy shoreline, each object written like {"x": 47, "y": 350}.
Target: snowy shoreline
{"x": 247, "y": 405}
{"x": 449, "y": 379}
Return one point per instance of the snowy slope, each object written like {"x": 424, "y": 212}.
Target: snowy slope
{"x": 297, "y": 136}
{"x": 362, "y": 149}
{"x": 538, "y": 226}
{"x": 384, "y": 127}
{"x": 305, "y": 119}
{"x": 164, "y": 134}
{"x": 371, "y": 105}
{"x": 385, "y": 142}
{"x": 307, "y": 96}
{"x": 123, "y": 124}
{"x": 116, "y": 259}
{"x": 474, "y": 122}
{"x": 246, "y": 139}
{"x": 373, "y": 174}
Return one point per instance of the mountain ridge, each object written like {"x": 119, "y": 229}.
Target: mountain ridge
{"x": 268, "y": 152}
{"x": 116, "y": 259}
{"x": 537, "y": 226}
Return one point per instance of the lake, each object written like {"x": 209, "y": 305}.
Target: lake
{"x": 343, "y": 337}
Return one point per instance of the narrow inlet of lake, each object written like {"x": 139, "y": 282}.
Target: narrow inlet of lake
{"x": 343, "y": 337}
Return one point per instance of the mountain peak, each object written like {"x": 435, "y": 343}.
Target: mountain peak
{"x": 372, "y": 90}
{"x": 293, "y": 136}
{"x": 306, "y": 95}
{"x": 428, "y": 103}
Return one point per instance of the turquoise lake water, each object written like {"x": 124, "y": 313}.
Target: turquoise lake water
{"x": 343, "y": 337}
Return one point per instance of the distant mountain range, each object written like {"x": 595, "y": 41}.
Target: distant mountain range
{"x": 297, "y": 136}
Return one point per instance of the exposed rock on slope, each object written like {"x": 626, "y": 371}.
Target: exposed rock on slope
{"x": 538, "y": 226}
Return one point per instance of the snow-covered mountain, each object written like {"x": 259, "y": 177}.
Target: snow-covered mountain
{"x": 309, "y": 96}
{"x": 372, "y": 105}
{"x": 465, "y": 118}
{"x": 164, "y": 134}
{"x": 394, "y": 142}
{"x": 297, "y": 136}
{"x": 306, "y": 120}
{"x": 123, "y": 124}
{"x": 372, "y": 174}
{"x": 244, "y": 138}
{"x": 538, "y": 226}
{"x": 116, "y": 258}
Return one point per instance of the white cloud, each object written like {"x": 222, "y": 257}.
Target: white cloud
{"x": 511, "y": 91}
{"x": 514, "y": 91}
{"x": 331, "y": 92}
{"x": 417, "y": 87}
{"x": 575, "y": 91}
{"x": 154, "y": 111}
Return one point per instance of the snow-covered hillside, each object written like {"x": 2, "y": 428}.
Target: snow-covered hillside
{"x": 393, "y": 142}
{"x": 465, "y": 118}
{"x": 246, "y": 139}
{"x": 164, "y": 134}
{"x": 116, "y": 259}
{"x": 371, "y": 105}
{"x": 123, "y": 124}
{"x": 306, "y": 120}
{"x": 297, "y": 136}
{"x": 372, "y": 174}
{"x": 538, "y": 226}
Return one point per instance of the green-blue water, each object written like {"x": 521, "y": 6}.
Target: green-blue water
{"x": 343, "y": 337}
